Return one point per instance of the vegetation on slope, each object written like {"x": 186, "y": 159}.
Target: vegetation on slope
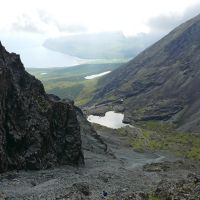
{"x": 69, "y": 82}
{"x": 154, "y": 136}
{"x": 159, "y": 136}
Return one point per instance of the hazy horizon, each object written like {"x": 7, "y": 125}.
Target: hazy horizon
{"x": 26, "y": 25}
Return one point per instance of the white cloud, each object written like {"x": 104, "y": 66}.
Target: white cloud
{"x": 165, "y": 23}
{"x": 25, "y": 24}
{"x": 53, "y": 17}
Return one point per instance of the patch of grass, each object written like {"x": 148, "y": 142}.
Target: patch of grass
{"x": 155, "y": 136}
{"x": 64, "y": 91}
{"x": 153, "y": 198}
{"x": 194, "y": 153}
{"x": 87, "y": 92}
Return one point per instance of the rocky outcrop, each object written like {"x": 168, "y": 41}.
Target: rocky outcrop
{"x": 184, "y": 189}
{"x": 91, "y": 141}
{"x": 37, "y": 131}
{"x": 167, "y": 166}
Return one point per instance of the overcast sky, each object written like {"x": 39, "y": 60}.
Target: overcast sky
{"x": 61, "y": 17}
{"x": 27, "y": 23}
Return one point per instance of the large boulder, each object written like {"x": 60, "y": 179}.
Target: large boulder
{"x": 37, "y": 131}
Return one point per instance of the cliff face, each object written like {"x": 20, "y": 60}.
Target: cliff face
{"x": 91, "y": 141}
{"x": 37, "y": 131}
{"x": 161, "y": 83}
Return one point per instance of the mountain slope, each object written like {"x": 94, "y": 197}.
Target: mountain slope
{"x": 161, "y": 83}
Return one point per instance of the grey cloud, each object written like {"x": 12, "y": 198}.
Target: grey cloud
{"x": 71, "y": 28}
{"x": 25, "y": 23}
{"x": 26, "y": 28}
{"x": 192, "y": 11}
{"x": 48, "y": 19}
{"x": 166, "y": 23}
{"x": 45, "y": 17}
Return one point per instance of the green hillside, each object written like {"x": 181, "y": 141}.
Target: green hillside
{"x": 70, "y": 82}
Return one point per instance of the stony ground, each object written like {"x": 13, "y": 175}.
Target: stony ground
{"x": 119, "y": 172}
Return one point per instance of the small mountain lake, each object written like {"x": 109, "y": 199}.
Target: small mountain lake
{"x": 97, "y": 75}
{"x": 111, "y": 120}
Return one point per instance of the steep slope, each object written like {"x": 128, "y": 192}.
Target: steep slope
{"x": 37, "y": 130}
{"x": 91, "y": 141}
{"x": 161, "y": 83}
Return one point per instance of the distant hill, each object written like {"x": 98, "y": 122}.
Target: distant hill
{"x": 161, "y": 83}
{"x": 108, "y": 45}
{"x": 70, "y": 82}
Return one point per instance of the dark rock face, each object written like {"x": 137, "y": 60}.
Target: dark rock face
{"x": 37, "y": 131}
{"x": 162, "y": 82}
{"x": 91, "y": 141}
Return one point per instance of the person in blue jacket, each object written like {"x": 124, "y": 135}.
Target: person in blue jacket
{"x": 105, "y": 194}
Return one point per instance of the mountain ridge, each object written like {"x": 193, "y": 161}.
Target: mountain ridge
{"x": 161, "y": 82}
